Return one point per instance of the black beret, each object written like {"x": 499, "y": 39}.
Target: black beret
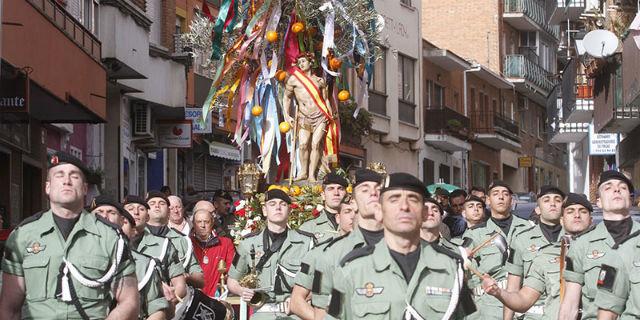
{"x": 366, "y": 175}
{"x": 61, "y": 157}
{"x": 615, "y": 175}
{"x": 277, "y": 194}
{"x": 499, "y": 183}
{"x": 334, "y": 178}
{"x": 434, "y": 201}
{"x": 222, "y": 194}
{"x": 441, "y": 192}
{"x": 135, "y": 199}
{"x": 577, "y": 198}
{"x": 157, "y": 194}
{"x": 472, "y": 198}
{"x": 104, "y": 200}
{"x": 549, "y": 189}
{"x": 404, "y": 181}
{"x": 457, "y": 193}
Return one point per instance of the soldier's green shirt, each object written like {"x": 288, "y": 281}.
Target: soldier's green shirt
{"x": 185, "y": 251}
{"x": 305, "y": 277}
{"x": 544, "y": 277}
{"x": 35, "y": 251}
{"x": 284, "y": 263}
{"x": 372, "y": 285}
{"x": 620, "y": 290}
{"x": 321, "y": 227}
{"x": 154, "y": 246}
{"x": 584, "y": 258}
{"x": 149, "y": 285}
{"x": 524, "y": 248}
{"x": 489, "y": 260}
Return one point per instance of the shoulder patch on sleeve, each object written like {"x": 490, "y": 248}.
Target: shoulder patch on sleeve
{"x": 334, "y": 240}
{"x": 512, "y": 252}
{"x": 236, "y": 258}
{"x": 335, "y": 304}
{"x": 466, "y": 241}
{"x": 568, "y": 264}
{"x": 607, "y": 277}
{"x": 304, "y": 268}
{"x": 32, "y": 218}
{"x": 357, "y": 253}
{"x": 317, "y": 282}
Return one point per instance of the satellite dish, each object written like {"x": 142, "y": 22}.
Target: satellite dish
{"x": 600, "y": 43}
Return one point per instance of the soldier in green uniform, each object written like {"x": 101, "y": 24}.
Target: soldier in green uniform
{"x": 526, "y": 245}
{"x": 490, "y": 259}
{"x": 153, "y": 305}
{"x": 543, "y": 278}
{"x": 301, "y": 293}
{"x": 431, "y": 226}
{"x": 275, "y": 253}
{"x": 334, "y": 187}
{"x": 618, "y": 294}
{"x": 65, "y": 263}
{"x": 599, "y": 246}
{"x": 473, "y": 212}
{"x": 159, "y": 248}
{"x": 401, "y": 277}
{"x": 158, "y": 224}
{"x": 368, "y": 231}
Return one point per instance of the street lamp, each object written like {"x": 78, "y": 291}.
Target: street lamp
{"x": 249, "y": 178}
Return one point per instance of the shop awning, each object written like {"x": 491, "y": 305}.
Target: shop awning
{"x": 223, "y": 150}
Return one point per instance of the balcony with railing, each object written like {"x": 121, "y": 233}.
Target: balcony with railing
{"x": 446, "y": 129}
{"x": 564, "y": 132}
{"x": 613, "y": 113}
{"x": 527, "y": 75}
{"x": 495, "y": 130}
{"x": 567, "y": 10}
{"x": 528, "y": 15}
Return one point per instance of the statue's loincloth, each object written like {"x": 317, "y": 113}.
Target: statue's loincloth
{"x": 311, "y": 122}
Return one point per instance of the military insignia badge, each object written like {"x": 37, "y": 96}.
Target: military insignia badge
{"x": 369, "y": 290}
{"x": 55, "y": 160}
{"x": 533, "y": 248}
{"x": 437, "y": 291}
{"x": 259, "y": 254}
{"x": 595, "y": 254}
{"x": 607, "y": 277}
{"x": 36, "y": 248}
{"x": 318, "y": 235}
{"x": 554, "y": 260}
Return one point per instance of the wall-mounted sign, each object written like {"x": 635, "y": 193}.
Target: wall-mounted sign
{"x": 14, "y": 93}
{"x": 174, "y": 134}
{"x": 195, "y": 115}
{"x": 602, "y": 144}
{"x": 525, "y": 162}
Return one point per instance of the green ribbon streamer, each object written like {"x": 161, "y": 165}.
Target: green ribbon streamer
{"x": 216, "y": 51}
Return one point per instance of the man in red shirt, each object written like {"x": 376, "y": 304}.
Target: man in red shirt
{"x": 209, "y": 249}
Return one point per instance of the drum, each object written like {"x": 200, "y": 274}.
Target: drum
{"x": 198, "y": 306}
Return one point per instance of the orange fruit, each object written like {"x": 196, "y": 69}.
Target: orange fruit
{"x": 284, "y": 127}
{"x": 349, "y": 189}
{"x": 343, "y": 95}
{"x": 256, "y": 111}
{"x": 335, "y": 63}
{"x": 297, "y": 27}
{"x": 269, "y": 63}
{"x": 272, "y": 36}
{"x": 281, "y": 75}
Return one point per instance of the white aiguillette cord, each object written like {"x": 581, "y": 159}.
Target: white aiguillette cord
{"x": 70, "y": 268}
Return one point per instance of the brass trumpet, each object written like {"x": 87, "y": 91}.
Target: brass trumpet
{"x": 252, "y": 281}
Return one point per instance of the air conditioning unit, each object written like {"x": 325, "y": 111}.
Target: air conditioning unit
{"x": 142, "y": 120}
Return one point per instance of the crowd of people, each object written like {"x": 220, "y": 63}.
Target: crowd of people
{"x": 388, "y": 250}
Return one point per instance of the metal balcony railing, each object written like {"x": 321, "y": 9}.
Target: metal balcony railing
{"x": 443, "y": 120}
{"x": 491, "y": 122}
{"x": 571, "y": 3}
{"x": 533, "y": 10}
{"x": 517, "y": 66}
{"x": 71, "y": 27}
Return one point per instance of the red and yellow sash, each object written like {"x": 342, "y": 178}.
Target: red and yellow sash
{"x": 332, "y": 138}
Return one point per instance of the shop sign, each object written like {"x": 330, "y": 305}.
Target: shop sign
{"x": 14, "y": 93}
{"x": 174, "y": 134}
{"x": 525, "y": 162}
{"x": 198, "y": 125}
{"x": 602, "y": 144}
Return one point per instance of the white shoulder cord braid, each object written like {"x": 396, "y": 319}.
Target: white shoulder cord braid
{"x": 187, "y": 256}
{"x": 147, "y": 274}
{"x": 70, "y": 268}
{"x": 165, "y": 246}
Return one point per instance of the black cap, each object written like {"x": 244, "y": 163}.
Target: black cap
{"x": 441, "y": 192}
{"x": 577, "y": 198}
{"x": 61, "y": 157}
{"x": 334, "y": 178}
{"x": 104, "y": 200}
{"x": 434, "y": 201}
{"x": 615, "y": 175}
{"x": 457, "y": 193}
{"x": 549, "y": 189}
{"x": 277, "y": 194}
{"x": 500, "y": 183}
{"x": 222, "y": 194}
{"x": 404, "y": 181}
{"x": 472, "y": 198}
{"x": 366, "y": 175}
{"x": 157, "y": 194}
{"x": 135, "y": 199}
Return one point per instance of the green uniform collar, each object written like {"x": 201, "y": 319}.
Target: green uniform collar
{"x": 87, "y": 222}
{"x": 600, "y": 232}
